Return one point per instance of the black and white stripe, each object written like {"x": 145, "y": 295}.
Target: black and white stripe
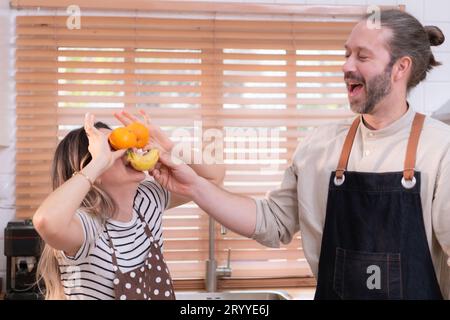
{"x": 89, "y": 273}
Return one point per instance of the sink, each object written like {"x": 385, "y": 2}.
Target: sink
{"x": 233, "y": 295}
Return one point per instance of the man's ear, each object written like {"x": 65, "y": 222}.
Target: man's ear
{"x": 402, "y": 68}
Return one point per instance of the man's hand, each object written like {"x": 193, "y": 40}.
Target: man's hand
{"x": 176, "y": 177}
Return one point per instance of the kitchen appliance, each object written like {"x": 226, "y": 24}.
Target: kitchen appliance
{"x": 22, "y": 251}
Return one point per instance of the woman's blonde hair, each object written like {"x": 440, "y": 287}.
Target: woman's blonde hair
{"x": 71, "y": 155}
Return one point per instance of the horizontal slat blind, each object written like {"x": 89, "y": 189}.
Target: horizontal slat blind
{"x": 263, "y": 84}
{"x": 191, "y": 6}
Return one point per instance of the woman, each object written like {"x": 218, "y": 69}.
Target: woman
{"x": 102, "y": 222}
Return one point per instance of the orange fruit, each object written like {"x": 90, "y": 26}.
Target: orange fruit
{"x": 141, "y": 132}
{"x": 122, "y": 138}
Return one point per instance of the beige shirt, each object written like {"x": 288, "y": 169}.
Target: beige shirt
{"x": 300, "y": 202}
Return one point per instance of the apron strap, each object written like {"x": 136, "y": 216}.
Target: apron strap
{"x": 345, "y": 153}
{"x": 113, "y": 250}
{"x": 413, "y": 142}
{"x": 410, "y": 159}
{"x": 147, "y": 230}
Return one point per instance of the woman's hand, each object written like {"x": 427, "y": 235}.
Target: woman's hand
{"x": 99, "y": 146}
{"x": 158, "y": 139}
{"x": 174, "y": 175}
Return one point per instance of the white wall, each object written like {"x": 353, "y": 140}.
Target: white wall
{"x": 427, "y": 97}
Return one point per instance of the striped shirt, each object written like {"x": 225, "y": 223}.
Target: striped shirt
{"x": 89, "y": 273}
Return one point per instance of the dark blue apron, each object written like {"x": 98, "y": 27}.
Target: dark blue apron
{"x": 374, "y": 244}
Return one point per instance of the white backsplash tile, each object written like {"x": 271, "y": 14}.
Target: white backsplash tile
{"x": 436, "y": 10}
{"x": 436, "y": 95}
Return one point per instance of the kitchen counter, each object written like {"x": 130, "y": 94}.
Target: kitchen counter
{"x": 305, "y": 293}
{"x": 292, "y": 293}
{"x": 300, "y": 293}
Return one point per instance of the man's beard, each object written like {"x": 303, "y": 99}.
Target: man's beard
{"x": 376, "y": 89}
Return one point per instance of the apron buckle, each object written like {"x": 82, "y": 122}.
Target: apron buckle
{"x": 339, "y": 181}
{"x": 408, "y": 184}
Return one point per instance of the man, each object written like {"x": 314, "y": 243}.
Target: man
{"x": 383, "y": 231}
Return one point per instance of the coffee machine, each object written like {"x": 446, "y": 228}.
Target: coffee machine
{"x": 22, "y": 251}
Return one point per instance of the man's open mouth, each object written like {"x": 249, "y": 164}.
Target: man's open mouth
{"x": 354, "y": 88}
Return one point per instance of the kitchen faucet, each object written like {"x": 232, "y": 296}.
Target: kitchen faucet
{"x": 212, "y": 271}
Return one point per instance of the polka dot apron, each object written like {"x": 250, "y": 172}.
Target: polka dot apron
{"x": 151, "y": 281}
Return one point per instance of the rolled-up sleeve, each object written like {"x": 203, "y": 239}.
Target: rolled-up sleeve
{"x": 277, "y": 214}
